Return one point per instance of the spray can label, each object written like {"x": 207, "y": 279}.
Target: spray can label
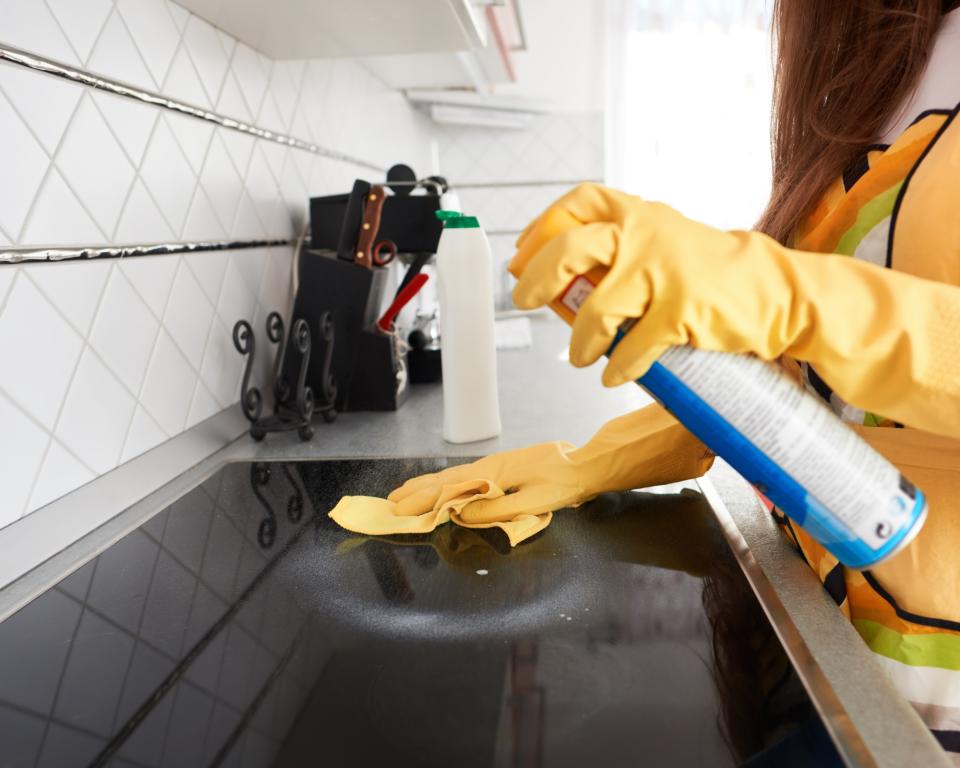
{"x": 796, "y": 451}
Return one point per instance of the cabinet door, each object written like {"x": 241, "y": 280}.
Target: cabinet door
{"x": 300, "y": 29}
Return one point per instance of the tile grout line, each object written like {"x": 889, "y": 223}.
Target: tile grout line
{"x": 51, "y": 156}
{"x": 66, "y": 37}
{"x": 146, "y": 374}
{"x": 56, "y": 693}
{"x": 153, "y": 199}
{"x": 135, "y": 164}
{"x": 55, "y": 168}
{"x": 183, "y": 638}
{"x": 213, "y": 210}
{"x": 9, "y": 293}
{"x": 254, "y": 114}
{"x": 161, "y": 326}
{"x": 218, "y": 138}
{"x": 206, "y": 341}
{"x": 244, "y": 180}
{"x": 136, "y": 171}
{"x": 267, "y": 76}
{"x": 85, "y": 336}
{"x": 53, "y": 719}
{"x": 33, "y": 134}
{"x": 231, "y": 55}
{"x": 176, "y": 49}
{"x": 298, "y": 98}
{"x": 73, "y": 375}
{"x": 210, "y": 331}
{"x": 103, "y": 28}
{"x": 182, "y": 48}
{"x": 183, "y": 353}
{"x": 196, "y": 176}
{"x": 86, "y": 606}
{"x": 199, "y": 369}
{"x": 211, "y": 100}
{"x": 136, "y": 46}
{"x": 139, "y": 629}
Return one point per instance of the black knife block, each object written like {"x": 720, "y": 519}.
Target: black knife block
{"x": 407, "y": 220}
{"x": 380, "y": 380}
{"x": 353, "y": 295}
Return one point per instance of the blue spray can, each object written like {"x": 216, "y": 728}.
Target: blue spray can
{"x": 786, "y": 442}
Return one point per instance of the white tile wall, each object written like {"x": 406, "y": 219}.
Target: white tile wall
{"x": 556, "y": 147}
{"x": 564, "y": 145}
{"x": 100, "y": 361}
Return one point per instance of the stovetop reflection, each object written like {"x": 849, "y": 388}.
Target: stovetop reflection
{"x": 240, "y": 626}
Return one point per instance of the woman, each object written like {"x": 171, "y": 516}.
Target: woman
{"x": 852, "y": 282}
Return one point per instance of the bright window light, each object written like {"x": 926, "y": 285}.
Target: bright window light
{"x": 691, "y": 107}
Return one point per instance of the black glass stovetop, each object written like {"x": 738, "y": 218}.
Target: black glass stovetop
{"x": 241, "y": 627}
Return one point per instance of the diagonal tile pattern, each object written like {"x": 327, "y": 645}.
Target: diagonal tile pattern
{"x": 94, "y": 165}
{"x": 21, "y": 158}
{"x": 123, "y": 331}
{"x": 81, "y": 22}
{"x": 102, "y": 361}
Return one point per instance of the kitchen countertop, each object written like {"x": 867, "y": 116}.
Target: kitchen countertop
{"x": 542, "y": 398}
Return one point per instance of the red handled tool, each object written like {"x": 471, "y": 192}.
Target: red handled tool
{"x": 403, "y": 298}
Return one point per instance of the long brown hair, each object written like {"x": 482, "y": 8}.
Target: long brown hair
{"x": 843, "y": 70}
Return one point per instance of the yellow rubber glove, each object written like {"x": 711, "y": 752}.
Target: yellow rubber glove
{"x": 884, "y": 341}
{"x": 518, "y": 491}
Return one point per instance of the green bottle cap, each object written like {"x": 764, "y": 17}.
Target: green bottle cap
{"x": 457, "y": 220}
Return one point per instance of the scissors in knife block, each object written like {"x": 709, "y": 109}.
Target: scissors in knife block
{"x": 385, "y": 323}
{"x": 370, "y": 251}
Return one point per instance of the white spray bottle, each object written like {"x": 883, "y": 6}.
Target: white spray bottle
{"x": 471, "y": 409}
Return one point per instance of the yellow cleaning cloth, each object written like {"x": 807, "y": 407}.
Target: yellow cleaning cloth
{"x": 375, "y": 517}
{"x": 518, "y": 491}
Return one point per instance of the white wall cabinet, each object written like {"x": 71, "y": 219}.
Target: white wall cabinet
{"x": 490, "y": 64}
{"x": 306, "y": 29}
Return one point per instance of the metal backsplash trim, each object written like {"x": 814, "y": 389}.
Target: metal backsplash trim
{"x": 524, "y": 183}
{"x": 20, "y": 255}
{"x": 65, "y": 71}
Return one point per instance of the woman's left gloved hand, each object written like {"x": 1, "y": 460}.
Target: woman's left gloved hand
{"x": 884, "y": 341}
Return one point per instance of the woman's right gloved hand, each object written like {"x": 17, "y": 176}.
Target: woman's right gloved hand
{"x": 644, "y": 448}
{"x": 884, "y": 341}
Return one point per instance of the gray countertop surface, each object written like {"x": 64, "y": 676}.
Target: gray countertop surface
{"x": 542, "y": 398}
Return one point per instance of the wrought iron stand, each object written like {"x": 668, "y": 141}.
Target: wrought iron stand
{"x": 293, "y": 406}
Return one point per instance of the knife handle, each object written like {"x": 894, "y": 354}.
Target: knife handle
{"x": 370, "y": 226}
{"x": 350, "y": 225}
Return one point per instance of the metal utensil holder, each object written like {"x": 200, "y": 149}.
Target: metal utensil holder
{"x": 294, "y": 406}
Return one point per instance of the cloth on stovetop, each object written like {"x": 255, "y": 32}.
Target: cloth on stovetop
{"x": 375, "y": 517}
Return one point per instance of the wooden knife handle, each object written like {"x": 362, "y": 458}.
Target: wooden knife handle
{"x": 370, "y": 226}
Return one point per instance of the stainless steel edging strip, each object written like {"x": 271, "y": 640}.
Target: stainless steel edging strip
{"x": 870, "y": 722}
{"x": 18, "y": 255}
{"x": 48, "y": 66}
